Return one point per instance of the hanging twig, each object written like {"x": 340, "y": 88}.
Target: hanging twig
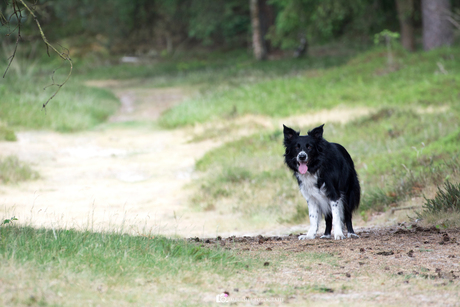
{"x": 18, "y": 15}
{"x": 62, "y": 54}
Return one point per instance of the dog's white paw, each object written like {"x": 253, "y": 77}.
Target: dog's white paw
{"x": 339, "y": 236}
{"x": 352, "y": 235}
{"x": 306, "y": 237}
{"x": 325, "y": 237}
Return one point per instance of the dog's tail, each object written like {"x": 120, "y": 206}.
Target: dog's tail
{"x": 354, "y": 197}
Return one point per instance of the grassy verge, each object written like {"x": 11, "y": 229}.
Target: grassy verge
{"x": 208, "y": 69}
{"x": 12, "y": 170}
{"x": 27, "y": 86}
{"x": 366, "y": 80}
{"x": 409, "y": 142}
{"x": 67, "y": 268}
{"x": 76, "y": 107}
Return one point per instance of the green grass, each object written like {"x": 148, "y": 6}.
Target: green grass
{"x": 366, "y": 80}
{"x": 102, "y": 254}
{"x": 391, "y": 168}
{"x": 12, "y": 170}
{"x": 26, "y": 88}
{"x": 114, "y": 266}
{"x": 410, "y": 141}
{"x": 209, "y": 69}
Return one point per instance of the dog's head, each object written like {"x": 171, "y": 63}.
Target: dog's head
{"x": 301, "y": 150}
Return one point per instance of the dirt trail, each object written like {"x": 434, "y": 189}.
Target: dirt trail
{"x": 129, "y": 176}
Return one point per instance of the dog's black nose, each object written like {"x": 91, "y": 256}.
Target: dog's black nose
{"x": 302, "y": 156}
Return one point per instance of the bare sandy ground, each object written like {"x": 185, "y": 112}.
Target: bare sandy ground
{"x": 128, "y": 177}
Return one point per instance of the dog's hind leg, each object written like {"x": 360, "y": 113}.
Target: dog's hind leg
{"x": 351, "y": 232}
{"x": 327, "y": 233}
{"x": 347, "y": 210}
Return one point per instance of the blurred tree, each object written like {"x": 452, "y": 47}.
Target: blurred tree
{"x": 219, "y": 22}
{"x": 320, "y": 21}
{"x": 437, "y": 30}
{"x": 406, "y": 21}
{"x": 258, "y": 36}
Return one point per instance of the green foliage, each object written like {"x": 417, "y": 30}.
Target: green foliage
{"x": 322, "y": 20}
{"x": 12, "y": 170}
{"x": 387, "y": 35}
{"x": 219, "y": 21}
{"x": 160, "y": 28}
{"x": 389, "y": 39}
{"x": 8, "y": 221}
{"x": 447, "y": 200}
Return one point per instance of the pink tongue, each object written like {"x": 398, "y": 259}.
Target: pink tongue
{"x": 303, "y": 168}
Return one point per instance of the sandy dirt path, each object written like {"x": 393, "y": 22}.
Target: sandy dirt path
{"x": 128, "y": 177}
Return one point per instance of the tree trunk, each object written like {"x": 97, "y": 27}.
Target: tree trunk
{"x": 406, "y": 20}
{"x": 258, "y": 41}
{"x": 437, "y": 30}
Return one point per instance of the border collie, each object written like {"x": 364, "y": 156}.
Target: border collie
{"x": 327, "y": 179}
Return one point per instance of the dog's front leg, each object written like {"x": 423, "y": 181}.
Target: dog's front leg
{"x": 313, "y": 212}
{"x": 337, "y": 208}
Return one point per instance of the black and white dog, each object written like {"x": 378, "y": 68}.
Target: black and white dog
{"x": 327, "y": 179}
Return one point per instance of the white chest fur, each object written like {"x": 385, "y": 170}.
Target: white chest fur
{"x": 308, "y": 188}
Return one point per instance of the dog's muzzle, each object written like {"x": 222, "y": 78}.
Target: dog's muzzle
{"x": 302, "y": 156}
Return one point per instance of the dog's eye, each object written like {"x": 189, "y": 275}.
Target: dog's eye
{"x": 297, "y": 146}
{"x": 309, "y": 147}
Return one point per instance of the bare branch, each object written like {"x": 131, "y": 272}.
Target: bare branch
{"x": 62, "y": 54}
{"x": 18, "y": 15}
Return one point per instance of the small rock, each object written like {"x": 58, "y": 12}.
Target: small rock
{"x": 389, "y": 253}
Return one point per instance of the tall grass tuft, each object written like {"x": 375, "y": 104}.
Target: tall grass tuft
{"x": 7, "y": 134}
{"x": 12, "y": 170}
{"x": 447, "y": 200}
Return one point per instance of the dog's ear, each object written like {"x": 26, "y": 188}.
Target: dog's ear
{"x": 317, "y": 132}
{"x": 289, "y": 134}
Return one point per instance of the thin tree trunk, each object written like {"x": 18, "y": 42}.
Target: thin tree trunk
{"x": 437, "y": 30}
{"x": 258, "y": 44}
{"x": 406, "y": 14}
